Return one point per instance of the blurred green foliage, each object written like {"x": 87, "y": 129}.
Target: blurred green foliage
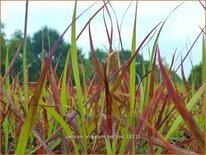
{"x": 34, "y": 55}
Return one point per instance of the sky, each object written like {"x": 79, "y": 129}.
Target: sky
{"x": 179, "y": 32}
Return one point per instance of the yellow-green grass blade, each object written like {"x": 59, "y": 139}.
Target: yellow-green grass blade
{"x": 108, "y": 146}
{"x": 179, "y": 118}
{"x": 7, "y": 66}
{"x": 25, "y": 132}
{"x": 76, "y": 74}
{"x": 64, "y": 90}
{"x": 21, "y": 147}
{"x": 24, "y": 57}
{"x": 84, "y": 80}
{"x": 204, "y": 78}
{"x": 5, "y": 126}
{"x": 153, "y": 52}
{"x": 75, "y": 63}
{"x": 133, "y": 71}
{"x": 64, "y": 125}
{"x": 116, "y": 138}
{"x": 189, "y": 107}
{"x": 124, "y": 134}
{"x": 203, "y": 74}
{"x": 203, "y": 60}
{"x": 151, "y": 63}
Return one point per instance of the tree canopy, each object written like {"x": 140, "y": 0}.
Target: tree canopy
{"x": 196, "y": 75}
{"x": 49, "y": 37}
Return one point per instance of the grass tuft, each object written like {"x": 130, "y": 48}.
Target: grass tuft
{"x": 113, "y": 102}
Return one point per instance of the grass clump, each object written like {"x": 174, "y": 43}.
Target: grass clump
{"x": 114, "y": 102}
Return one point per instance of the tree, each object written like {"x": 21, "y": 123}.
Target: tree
{"x": 100, "y": 55}
{"x": 50, "y": 37}
{"x": 89, "y": 64}
{"x": 196, "y": 75}
{"x": 139, "y": 62}
{"x": 12, "y": 45}
{"x": 2, "y": 48}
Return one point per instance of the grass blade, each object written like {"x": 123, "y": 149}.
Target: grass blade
{"x": 64, "y": 90}
{"x": 64, "y": 125}
{"x": 178, "y": 102}
{"x": 21, "y": 147}
{"x": 24, "y": 56}
{"x": 184, "y": 79}
{"x": 108, "y": 100}
{"x": 55, "y": 91}
{"x": 75, "y": 63}
{"x": 125, "y": 67}
{"x": 204, "y": 78}
{"x": 153, "y": 53}
{"x": 19, "y": 115}
{"x": 10, "y": 65}
{"x": 95, "y": 61}
{"x": 77, "y": 78}
{"x": 133, "y": 70}
{"x": 7, "y": 67}
{"x": 203, "y": 60}
{"x": 189, "y": 107}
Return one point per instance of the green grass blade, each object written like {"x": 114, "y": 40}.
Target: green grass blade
{"x": 75, "y": 63}
{"x": 7, "y": 66}
{"x": 124, "y": 134}
{"x": 24, "y": 56}
{"x": 153, "y": 53}
{"x": 133, "y": 71}
{"x": 63, "y": 94}
{"x": 203, "y": 71}
{"x": 203, "y": 60}
{"x": 179, "y": 105}
{"x": 179, "y": 119}
{"x": 76, "y": 74}
{"x": 25, "y": 132}
{"x": 56, "y": 143}
{"x": 108, "y": 146}
{"x": 189, "y": 107}
{"x": 142, "y": 95}
{"x": 11, "y": 65}
{"x": 5, "y": 126}
{"x": 21, "y": 147}
{"x": 114, "y": 144}
{"x": 64, "y": 125}
{"x": 151, "y": 63}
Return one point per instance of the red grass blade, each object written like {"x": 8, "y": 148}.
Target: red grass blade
{"x": 119, "y": 34}
{"x": 194, "y": 43}
{"x": 126, "y": 66}
{"x": 108, "y": 104}
{"x": 179, "y": 104}
{"x": 156, "y": 98}
{"x": 110, "y": 37}
{"x": 184, "y": 79}
{"x": 33, "y": 103}
{"x": 95, "y": 61}
{"x": 91, "y": 19}
{"x": 161, "y": 138}
{"x": 55, "y": 91}
{"x": 151, "y": 91}
{"x": 18, "y": 114}
{"x": 159, "y": 120}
